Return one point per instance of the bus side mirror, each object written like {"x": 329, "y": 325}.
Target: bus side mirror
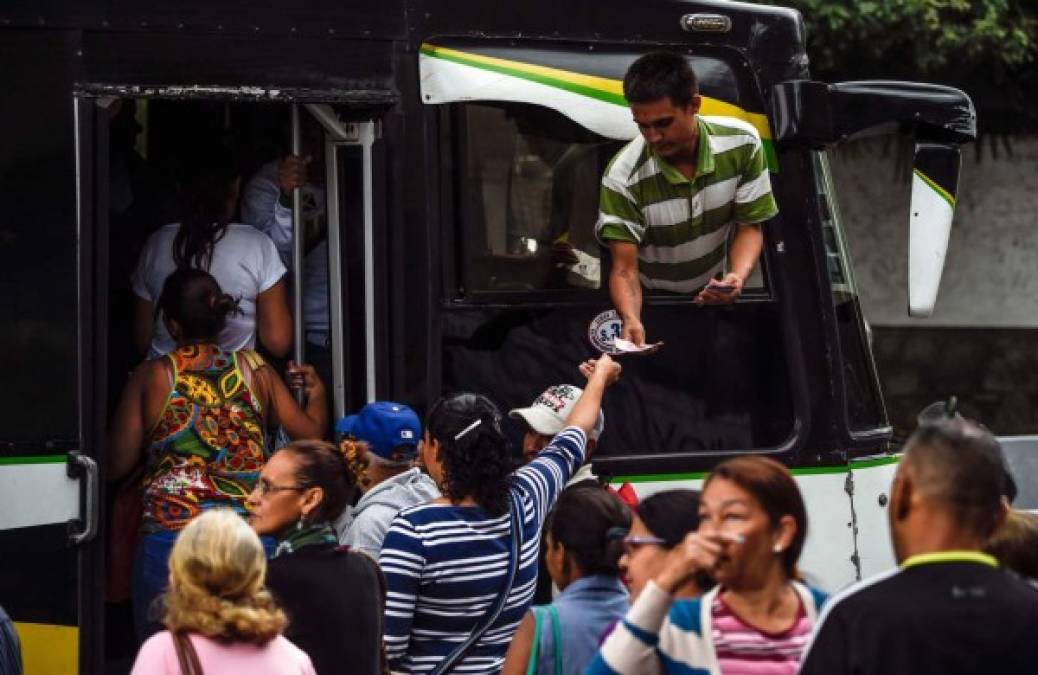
{"x": 817, "y": 115}
{"x": 935, "y": 181}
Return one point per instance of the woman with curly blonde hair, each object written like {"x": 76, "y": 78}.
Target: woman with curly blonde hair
{"x": 218, "y": 615}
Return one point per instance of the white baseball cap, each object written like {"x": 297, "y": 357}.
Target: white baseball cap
{"x": 547, "y": 414}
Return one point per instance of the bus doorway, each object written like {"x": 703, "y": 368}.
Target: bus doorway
{"x": 141, "y": 152}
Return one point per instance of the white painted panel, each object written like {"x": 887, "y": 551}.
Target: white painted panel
{"x": 826, "y": 561}
{"x": 36, "y": 494}
{"x": 447, "y": 82}
{"x": 990, "y": 278}
{"x": 929, "y": 230}
{"x": 874, "y": 547}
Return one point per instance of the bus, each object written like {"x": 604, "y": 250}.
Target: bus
{"x": 460, "y": 146}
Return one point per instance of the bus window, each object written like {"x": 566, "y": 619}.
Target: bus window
{"x": 863, "y": 401}
{"x": 529, "y": 192}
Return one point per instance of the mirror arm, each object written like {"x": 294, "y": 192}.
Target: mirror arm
{"x": 819, "y": 115}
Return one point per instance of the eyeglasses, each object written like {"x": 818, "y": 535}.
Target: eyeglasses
{"x": 265, "y": 487}
{"x": 631, "y": 543}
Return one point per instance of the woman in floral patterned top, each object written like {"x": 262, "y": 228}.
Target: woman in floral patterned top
{"x": 200, "y": 413}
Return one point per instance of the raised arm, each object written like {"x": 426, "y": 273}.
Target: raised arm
{"x": 542, "y": 479}
{"x": 600, "y": 373}
{"x": 625, "y": 289}
{"x": 299, "y": 423}
{"x": 266, "y": 202}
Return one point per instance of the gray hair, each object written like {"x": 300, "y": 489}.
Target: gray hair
{"x": 960, "y": 464}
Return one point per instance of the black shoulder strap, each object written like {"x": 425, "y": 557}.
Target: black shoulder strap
{"x": 515, "y": 517}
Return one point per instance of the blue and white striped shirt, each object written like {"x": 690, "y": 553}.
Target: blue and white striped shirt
{"x": 445, "y": 566}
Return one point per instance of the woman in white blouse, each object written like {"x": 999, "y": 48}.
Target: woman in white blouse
{"x": 243, "y": 260}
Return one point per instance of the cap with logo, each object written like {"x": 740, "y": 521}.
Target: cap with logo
{"x": 392, "y": 430}
{"x": 547, "y": 415}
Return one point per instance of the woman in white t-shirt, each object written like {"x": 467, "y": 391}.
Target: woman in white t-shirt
{"x": 243, "y": 260}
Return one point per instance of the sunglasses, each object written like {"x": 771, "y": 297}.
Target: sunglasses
{"x": 632, "y": 543}
{"x": 265, "y": 487}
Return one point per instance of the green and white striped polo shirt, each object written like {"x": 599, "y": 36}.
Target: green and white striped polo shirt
{"x": 682, "y": 226}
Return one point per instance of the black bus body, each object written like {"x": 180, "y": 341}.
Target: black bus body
{"x": 447, "y": 276}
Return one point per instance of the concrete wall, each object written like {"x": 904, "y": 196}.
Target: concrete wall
{"x": 982, "y": 342}
{"x": 991, "y": 273}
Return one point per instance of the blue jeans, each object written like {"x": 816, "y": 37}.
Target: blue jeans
{"x": 151, "y": 576}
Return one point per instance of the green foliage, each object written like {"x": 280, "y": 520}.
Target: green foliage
{"x": 926, "y": 36}
{"x": 989, "y": 48}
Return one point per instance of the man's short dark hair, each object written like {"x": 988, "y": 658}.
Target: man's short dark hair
{"x": 659, "y": 75}
{"x": 959, "y": 463}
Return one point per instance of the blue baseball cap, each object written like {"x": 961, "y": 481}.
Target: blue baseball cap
{"x": 392, "y": 430}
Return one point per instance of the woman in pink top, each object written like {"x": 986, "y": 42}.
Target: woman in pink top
{"x": 758, "y": 619}
{"x": 218, "y": 608}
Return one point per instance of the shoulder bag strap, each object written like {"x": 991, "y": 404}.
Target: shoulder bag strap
{"x": 187, "y": 657}
{"x": 556, "y": 633}
{"x": 515, "y": 513}
{"x": 535, "y": 646}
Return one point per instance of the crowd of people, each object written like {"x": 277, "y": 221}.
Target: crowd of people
{"x": 681, "y": 582}
{"x": 419, "y": 547}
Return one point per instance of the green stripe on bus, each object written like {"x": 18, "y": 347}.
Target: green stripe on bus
{"x": 875, "y": 461}
{"x": 941, "y": 192}
{"x": 34, "y": 459}
{"x": 798, "y": 471}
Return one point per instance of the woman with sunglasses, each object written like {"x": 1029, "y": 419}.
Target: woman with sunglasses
{"x": 661, "y": 522}
{"x": 197, "y": 417}
{"x": 759, "y": 616}
{"x": 581, "y": 554}
{"x": 333, "y": 597}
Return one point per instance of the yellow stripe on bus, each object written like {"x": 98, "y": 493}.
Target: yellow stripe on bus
{"x": 941, "y": 192}
{"x": 610, "y": 89}
{"x": 49, "y": 649}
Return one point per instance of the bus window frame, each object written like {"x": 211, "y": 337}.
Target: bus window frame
{"x": 824, "y": 187}
{"x": 454, "y": 259}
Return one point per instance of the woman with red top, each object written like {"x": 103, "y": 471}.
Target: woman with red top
{"x": 758, "y": 619}
{"x": 200, "y": 413}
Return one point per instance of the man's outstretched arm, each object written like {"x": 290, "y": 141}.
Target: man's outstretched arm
{"x": 625, "y": 289}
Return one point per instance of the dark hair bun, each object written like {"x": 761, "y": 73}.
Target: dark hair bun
{"x": 224, "y": 304}
{"x": 193, "y": 298}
